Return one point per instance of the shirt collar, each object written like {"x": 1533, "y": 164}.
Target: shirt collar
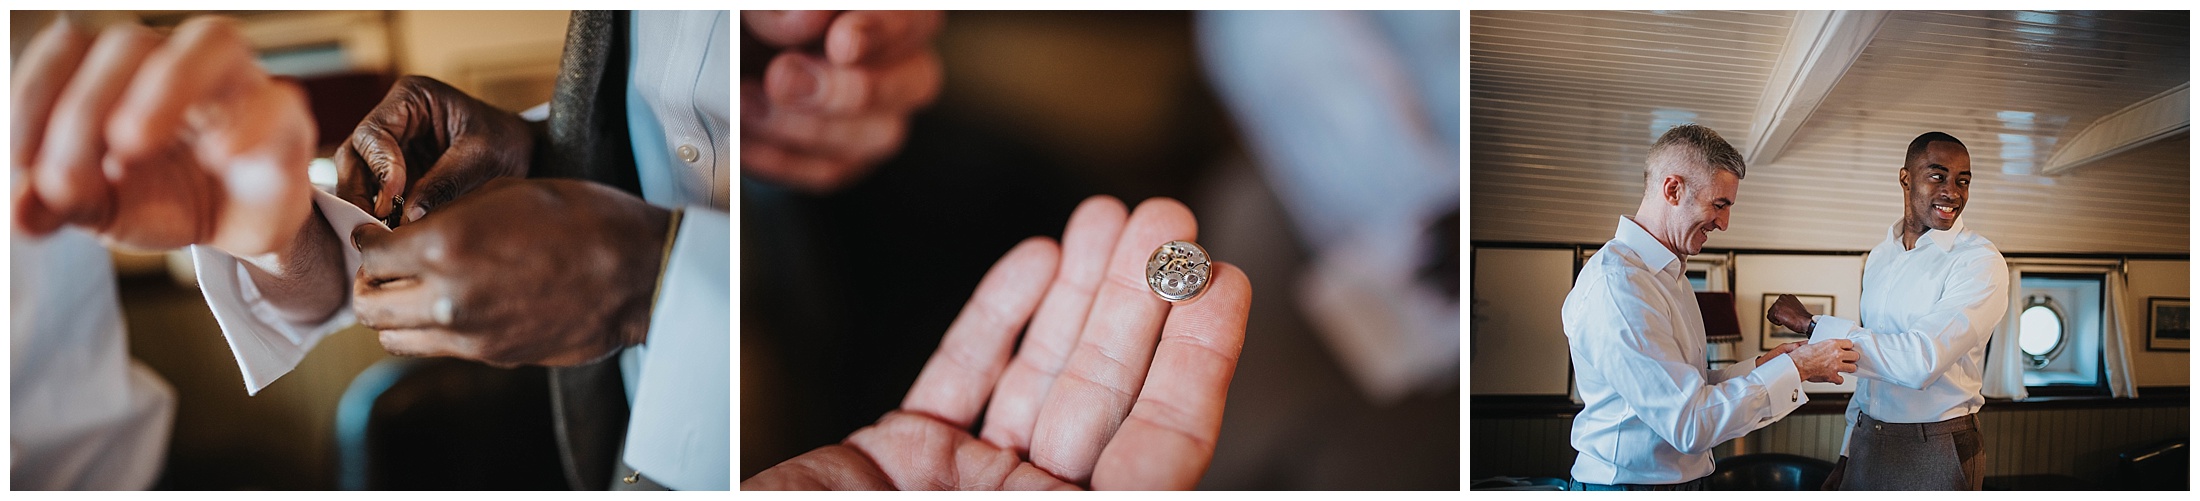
{"x": 1946, "y": 240}
{"x": 1653, "y": 253}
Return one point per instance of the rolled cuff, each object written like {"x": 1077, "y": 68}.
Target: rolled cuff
{"x": 265, "y": 345}
{"x": 1783, "y": 387}
{"x": 679, "y": 431}
{"x": 1831, "y": 327}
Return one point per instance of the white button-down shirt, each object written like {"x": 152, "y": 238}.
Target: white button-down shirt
{"x": 677, "y": 93}
{"x": 1928, "y": 312}
{"x": 1650, "y": 411}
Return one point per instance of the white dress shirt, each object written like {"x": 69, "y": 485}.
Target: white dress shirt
{"x": 679, "y": 382}
{"x": 1928, "y": 312}
{"x": 1650, "y": 410}
{"x": 82, "y": 414}
{"x": 678, "y": 90}
{"x": 1392, "y": 114}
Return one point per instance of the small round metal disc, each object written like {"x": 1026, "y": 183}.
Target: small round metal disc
{"x": 1177, "y": 271}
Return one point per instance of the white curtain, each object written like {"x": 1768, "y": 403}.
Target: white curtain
{"x": 2004, "y": 362}
{"x": 2114, "y": 354}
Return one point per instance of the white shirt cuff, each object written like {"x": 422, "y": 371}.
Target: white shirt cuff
{"x": 679, "y": 431}
{"x": 1783, "y": 386}
{"x": 266, "y": 346}
{"x": 1830, "y": 327}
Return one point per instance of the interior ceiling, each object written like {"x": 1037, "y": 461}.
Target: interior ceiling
{"x": 1565, "y": 104}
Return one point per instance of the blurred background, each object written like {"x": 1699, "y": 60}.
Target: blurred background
{"x": 420, "y": 423}
{"x": 1319, "y": 151}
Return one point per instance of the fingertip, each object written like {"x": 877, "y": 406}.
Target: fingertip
{"x": 1037, "y": 253}
{"x": 1101, "y": 205}
{"x": 1163, "y": 205}
{"x": 845, "y": 41}
{"x": 1036, "y": 240}
{"x": 1166, "y": 213}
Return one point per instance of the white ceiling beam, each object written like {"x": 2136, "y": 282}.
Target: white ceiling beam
{"x": 1820, "y": 47}
{"x": 2146, "y": 121}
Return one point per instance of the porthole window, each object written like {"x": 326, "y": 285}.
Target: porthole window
{"x": 2042, "y": 329}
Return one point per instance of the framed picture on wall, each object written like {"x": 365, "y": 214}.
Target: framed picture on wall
{"x": 2169, "y": 324}
{"x": 1775, "y": 334}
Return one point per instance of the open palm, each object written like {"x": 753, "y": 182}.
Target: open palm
{"x": 1112, "y": 388}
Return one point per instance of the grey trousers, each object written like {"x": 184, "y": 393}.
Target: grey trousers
{"x": 1692, "y": 485}
{"x": 1947, "y": 455}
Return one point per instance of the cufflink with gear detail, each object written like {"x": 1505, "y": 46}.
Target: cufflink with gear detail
{"x": 1178, "y": 271}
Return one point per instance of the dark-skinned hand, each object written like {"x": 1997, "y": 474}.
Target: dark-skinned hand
{"x": 548, "y": 272}
{"x": 1789, "y": 312}
{"x": 429, "y": 143}
{"x": 1112, "y": 387}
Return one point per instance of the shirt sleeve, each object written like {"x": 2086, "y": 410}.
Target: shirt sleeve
{"x": 1737, "y": 369}
{"x": 1972, "y": 301}
{"x": 266, "y": 346}
{"x": 1641, "y": 359}
{"x": 679, "y": 429}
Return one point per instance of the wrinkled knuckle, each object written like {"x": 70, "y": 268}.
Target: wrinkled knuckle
{"x": 436, "y": 252}
{"x": 367, "y": 137}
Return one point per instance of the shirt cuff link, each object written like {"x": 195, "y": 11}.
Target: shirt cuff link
{"x": 1797, "y": 396}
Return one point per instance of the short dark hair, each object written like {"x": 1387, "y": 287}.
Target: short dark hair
{"x": 1917, "y": 146}
{"x": 1697, "y": 146}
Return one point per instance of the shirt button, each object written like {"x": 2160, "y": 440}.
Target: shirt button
{"x": 1796, "y": 396}
{"x": 687, "y": 153}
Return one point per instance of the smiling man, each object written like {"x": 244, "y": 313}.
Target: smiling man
{"x": 1933, "y": 293}
{"x": 1650, "y": 410}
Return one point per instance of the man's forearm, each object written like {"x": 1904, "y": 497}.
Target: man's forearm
{"x": 305, "y": 282}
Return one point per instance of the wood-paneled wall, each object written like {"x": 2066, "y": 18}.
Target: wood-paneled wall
{"x": 2081, "y": 443}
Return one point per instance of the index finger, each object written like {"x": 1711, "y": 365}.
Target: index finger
{"x": 206, "y": 57}
{"x": 40, "y": 75}
{"x": 955, "y": 382}
{"x": 788, "y": 28}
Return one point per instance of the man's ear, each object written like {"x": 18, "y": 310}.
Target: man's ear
{"x": 1902, "y": 176}
{"x": 1672, "y": 188}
